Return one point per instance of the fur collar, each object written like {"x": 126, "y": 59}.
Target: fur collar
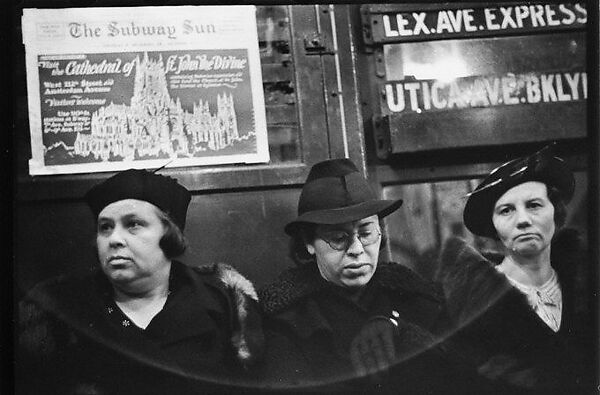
{"x": 472, "y": 285}
{"x": 295, "y": 284}
{"x": 247, "y": 336}
{"x": 61, "y": 297}
{"x": 470, "y": 282}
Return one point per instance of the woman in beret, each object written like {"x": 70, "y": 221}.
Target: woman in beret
{"x": 144, "y": 323}
{"x": 341, "y": 315}
{"x": 518, "y": 315}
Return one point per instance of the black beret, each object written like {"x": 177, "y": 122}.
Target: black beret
{"x": 162, "y": 191}
{"x": 541, "y": 166}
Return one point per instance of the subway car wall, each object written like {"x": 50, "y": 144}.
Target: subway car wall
{"x": 238, "y": 211}
{"x": 347, "y": 81}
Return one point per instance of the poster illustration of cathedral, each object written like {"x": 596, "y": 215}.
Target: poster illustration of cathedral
{"x": 104, "y": 111}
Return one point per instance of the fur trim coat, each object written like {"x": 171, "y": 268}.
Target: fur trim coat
{"x": 309, "y": 326}
{"x": 501, "y": 333}
{"x": 73, "y": 339}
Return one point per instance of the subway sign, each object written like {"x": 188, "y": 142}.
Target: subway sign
{"x": 420, "y": 96}
{"x": 477, "y": 21}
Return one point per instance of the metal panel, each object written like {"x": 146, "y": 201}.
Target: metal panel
{"x": 281, "y": 114}
{"x": 269, "y": 31}
{"x": 244, "y": 229}
{"x": 485, "y": 126}
{"x": 346, "y": 24}
{"x": 338, "y": 144}
{"x": 403, "y": 23}
{"x": 276, "y": 72}
{"x": 313, "y": 121}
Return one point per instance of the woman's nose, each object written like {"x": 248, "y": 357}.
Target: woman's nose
{"x": 355, "y": 247}
{"x": 523, "y": 219}
{"x": 116, "y": 238}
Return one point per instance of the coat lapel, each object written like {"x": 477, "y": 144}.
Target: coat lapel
{"x": 192, "y": 306}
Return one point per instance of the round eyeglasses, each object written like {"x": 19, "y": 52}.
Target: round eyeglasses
{"x": 341, "y": 241}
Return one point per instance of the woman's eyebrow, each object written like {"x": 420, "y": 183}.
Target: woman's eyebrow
{"x": 366, "y": 223}
{"x": 335, "y": 229}
{"x": 128, "y": 217}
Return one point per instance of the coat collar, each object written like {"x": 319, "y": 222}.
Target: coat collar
{"x": 82, "y": 302}
{"x": 193, "y": 305}
{"x": 296, "y": 284}
{"x": 200, "y": 295}
{"x": 473, "y": 287}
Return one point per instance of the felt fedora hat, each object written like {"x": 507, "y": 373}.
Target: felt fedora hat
{"x": 542, "y": 166}
{"x": 336, "y": 192}
{"x": 162, "y": 191}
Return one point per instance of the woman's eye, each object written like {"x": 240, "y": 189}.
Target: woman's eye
{"x": 337, "y": 237}
{"x": 504, "y": 211}
{"x": 102, "y": 228}
{"x": 134, "y": 224}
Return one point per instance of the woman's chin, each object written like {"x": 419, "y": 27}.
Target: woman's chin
{"x": 357, "y": 282}
{"x": 528, "y": 251}
{"x": 119, "y": 276}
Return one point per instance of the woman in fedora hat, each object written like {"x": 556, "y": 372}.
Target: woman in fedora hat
{"x": 143, "y": 323}
{"x": 341, "y": 314}
{"x": 519, "y": 316}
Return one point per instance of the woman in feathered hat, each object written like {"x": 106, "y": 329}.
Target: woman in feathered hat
{"x": 519, "y": 315}
{"x": 144, "y": 323}
{"x": 341, "y": 315}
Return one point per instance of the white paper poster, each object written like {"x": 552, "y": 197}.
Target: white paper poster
{"x": 137, "y": 87}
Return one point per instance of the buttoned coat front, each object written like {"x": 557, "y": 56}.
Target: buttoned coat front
{"x": 309, "y": 326}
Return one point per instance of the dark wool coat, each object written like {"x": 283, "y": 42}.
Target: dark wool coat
{"x": 502, "y": 334}
{"x": 309, "y": 327}
{"x": 75, "y": 340}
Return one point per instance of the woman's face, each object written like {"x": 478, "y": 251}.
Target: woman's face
{"x": 128, "y": 236}
{"x": 524, "y": 219}
{"x": 350, "y": 267}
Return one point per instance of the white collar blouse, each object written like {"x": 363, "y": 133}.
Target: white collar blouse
{"x": 545, "y": 300}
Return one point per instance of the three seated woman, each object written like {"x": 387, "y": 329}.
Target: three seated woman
{"x": 341, "y": 320}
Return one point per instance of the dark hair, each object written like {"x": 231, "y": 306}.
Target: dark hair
{"x": 173, "y": 242}
{"x": 560, "y": 208}
{"x": 305, "y": 233}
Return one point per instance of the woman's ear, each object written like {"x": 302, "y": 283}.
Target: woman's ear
{"x": 310, "y": 248}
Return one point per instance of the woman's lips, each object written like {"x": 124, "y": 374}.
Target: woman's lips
{"x": 118, "y": 260}
{"x": 527, "y": 236}
{"x": 354, "y": 266}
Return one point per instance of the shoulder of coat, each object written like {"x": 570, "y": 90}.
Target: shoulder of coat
{"x": 292, "y": 286}
{"x": 228, "y": 277}
{"x": 397, "y": 277}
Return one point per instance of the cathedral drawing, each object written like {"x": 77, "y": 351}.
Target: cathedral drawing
{"x": 155, "y": 125}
